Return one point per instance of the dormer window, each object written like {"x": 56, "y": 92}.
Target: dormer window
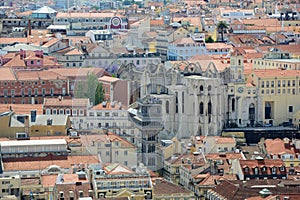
{"x": 246, "y": 169}
{"x": 256, "y": 170}
{"x": 264, "y": 169}
{"x": 282, "y": 168}
{"x": 274, "y": 170}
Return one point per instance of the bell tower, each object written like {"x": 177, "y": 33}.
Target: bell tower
{"x": 237, "y": 67}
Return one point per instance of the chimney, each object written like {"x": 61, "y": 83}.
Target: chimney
{"x": 32, "y": 115}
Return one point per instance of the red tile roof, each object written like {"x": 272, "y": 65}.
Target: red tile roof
{"x": 56, "y": 102}
{"x": 40, "y": 163}
{"x": 22, "y": 108}
{"x": 269, "y": 73}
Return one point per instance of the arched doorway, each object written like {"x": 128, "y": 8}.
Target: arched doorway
{"x": 268, "y": 110}
{"x": 252, "y": 114}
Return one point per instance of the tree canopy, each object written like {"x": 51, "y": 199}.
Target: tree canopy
{"x": 90, "y": 88}
{"x": 222, "y": 26}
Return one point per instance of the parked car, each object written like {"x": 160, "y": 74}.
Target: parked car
{"x": 286, "y": 124}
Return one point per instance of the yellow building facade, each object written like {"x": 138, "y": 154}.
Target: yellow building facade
{"x": 279, "y": 94}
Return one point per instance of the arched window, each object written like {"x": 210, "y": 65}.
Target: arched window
{"x": 167, "y": 107}
{"x": 239, "y": 62}
{"x": 209, "y": 88}
{"x": 201, "y": 88}
{"x": 233, "y": 105}
{"x": 201, "y": 108}
{"x": 209, "y": 108}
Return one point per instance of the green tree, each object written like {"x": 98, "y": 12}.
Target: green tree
{"x": 92, "y": 82}
{"x": 221, "y": 27}
{"x": 91, "y": 88}
{"x": 99, "y": 94}
{"x": 79, "y": 90}
{"x": 209, "y": 40}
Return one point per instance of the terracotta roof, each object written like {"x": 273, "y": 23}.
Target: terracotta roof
{"x": 12, "y": 40}
{"x": 88, "y": 140}
{"x": 74, "y": 52}
{"x": 165, "y": 188}
{"x": 108, "y": 79}
{"x": 7, "y": 74}
{"x": 211, "y": 179}
{"x": 116, "y": 168}
{"x": 40, "y": 163}
{"x": 38, "y": 75}
{"x": 22, "y": 108}
{"x": 51, "y": 42}
{"x": 184, "y": 41}
{"x": 154, "y": 22}
{"x": 218, "y": 45}
{"x": 75, "y": 102}
{"x": 277, "y": 147}
{"x": 187, "y": 159}
{"x": 276, "y": 73}
{"x": 48, "y": 180}
{"x": 223, "y": 156}
{"x": 261, "y": 163}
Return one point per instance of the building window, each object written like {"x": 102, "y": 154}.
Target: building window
{"x": 256, "y": 170}
{"x": 29, "y": 92}
{"x": 209, "y": 108}
{"x": 12, "y": 93}
{"x": 35, "y": 91}
{"x": 74, "y": 112}
{"x": 291, "y": 109}
{"x": 201, "y": 108}
{"x": 233, "y": 105}
{"x": 81, "y": 112}
{"x": 167, "y": 107}
{"x": 125, "y": 153}
{"x": 68, "y": 112}
{"x": 51, "y": 91}
{"x": 278, "y": 83}
{"x": 43, "y": 91}
{"x": 274, "y": 170}
{"x": 48, "y": 112}
{"x": 54, "y": 111}
{"x": 61, "y": 111}
{"x": 201, "y": 89}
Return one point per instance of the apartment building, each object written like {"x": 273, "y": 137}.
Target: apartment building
{"x": 59, "y": 106}
{"x": 115, "y": 180}
{"x": 79, "y": 23}
{"x": 30, "y": 87}
{"x": 278, "y": 94}
{"x": 111, "y": 148}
